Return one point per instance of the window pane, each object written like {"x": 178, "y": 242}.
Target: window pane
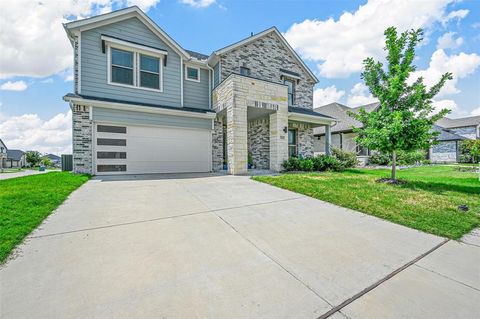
{"x": 111, "y": 168}
{"x": 149, "y": 80}
{"x": 111, "y": 154}
{"x": 111, "y": 141}
{"x": 192, "y": 73}
{"x": 111, "y": 129}
{"x": 148, "y": 63}
{"x": 244, "y": 71}
{"x": 123, "y": 58}
{"x": 122, "y": 75}
{"x": 292, "y": 137}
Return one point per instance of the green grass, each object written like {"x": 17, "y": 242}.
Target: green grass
{"x": 428, "y": 201}
{"x": 26, "y": 201}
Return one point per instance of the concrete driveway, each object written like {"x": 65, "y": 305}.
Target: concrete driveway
{"x": 202, "y": 246}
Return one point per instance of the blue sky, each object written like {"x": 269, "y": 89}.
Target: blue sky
{"x": 331, "y": 36}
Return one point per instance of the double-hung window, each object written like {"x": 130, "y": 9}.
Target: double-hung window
{"x": 135, "y": 66}
{"x": 149, "y": 72}
{"x": 291, "y": 91}
{"x": 122, "y": 67}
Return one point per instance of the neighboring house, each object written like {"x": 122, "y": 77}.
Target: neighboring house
{"x": 56, "y": 160}
{"x": 144, "y": 104}
{"x": 15, "y": 159}
{"x": 451, "y": 133}
{"x": 3, "y": 155}
{"x": 342, "y": 135}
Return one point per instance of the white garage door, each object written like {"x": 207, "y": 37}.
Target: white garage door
{"x": 130, "y": 149}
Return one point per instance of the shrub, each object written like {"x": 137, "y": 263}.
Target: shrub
{"x": 403, "y": 158}
{"x": 379, "y": 159}
{"x": 326, "y": 163}
{"x": 292, "y": 164}
{"x": 306, "y": 165}
{"x": 346, "y": 159}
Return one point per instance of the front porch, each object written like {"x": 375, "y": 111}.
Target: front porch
{"x": 255, "y": 127}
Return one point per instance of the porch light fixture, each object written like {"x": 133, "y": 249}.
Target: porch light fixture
{"x": 285, "y": 129}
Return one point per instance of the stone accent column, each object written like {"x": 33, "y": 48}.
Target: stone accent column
{"x": 82, "y": 139}
{"x": 237, "y": 152}
{"x": 217, "y": 145}
{"x": 278, "y": 138}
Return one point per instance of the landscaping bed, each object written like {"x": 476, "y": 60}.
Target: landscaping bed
{"x": 26, "y": 201}
{"x": 429, "y": 199}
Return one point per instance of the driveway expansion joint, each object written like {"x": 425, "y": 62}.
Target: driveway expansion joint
{"x": 381, "y": 281}
{"x": 446, "y": 277}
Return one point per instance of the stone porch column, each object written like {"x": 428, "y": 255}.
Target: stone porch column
{"x": 278, "y": 138}
{"x": 237, "y": 148}
{"x": 328, "y": 140}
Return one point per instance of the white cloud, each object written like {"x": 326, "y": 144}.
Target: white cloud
{"x": 30, "y": 132}
{"x": 475, "y": 112}
{"x": 455, "y": 15}
{"x": 14, "y": 86}
{"x": 47, "y": 80}
{"x": 461, "y": 65}
{"x": 359, "y": 95}
{"x": 448, "y": 41}
{"x": 326, "y": 95}
{"x": 198, "y": 3}
{"x": 445, "y": 104}
{"x": 340, "y": 46}
{"x": 33, "y": 42}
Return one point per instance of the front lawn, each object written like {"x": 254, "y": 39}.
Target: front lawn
{"x": 26, "y": 201}
{"x": 428, "y": 202}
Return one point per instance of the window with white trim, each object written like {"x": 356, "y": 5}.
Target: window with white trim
{"x": 135, "y": 68}
{"x": 192, "y": 73}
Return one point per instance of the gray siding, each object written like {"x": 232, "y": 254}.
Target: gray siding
{"x": 132, "y": 118}
{"x": 195, "y": 94}
{"x": 94, "y": 65}
{"x": 216, "y": 75}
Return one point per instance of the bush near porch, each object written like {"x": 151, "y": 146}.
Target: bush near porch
{"x": 338, "y": 161}
{"x": 428, "y": 201}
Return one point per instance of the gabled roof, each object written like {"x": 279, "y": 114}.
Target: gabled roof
{"x": 460, "y": 122}
{"x": 260, "y": 35}
{"x": 446, "y": 135}
{"x": 197, "y": 55}
{"x": 340, "y": 112}
{"x": 53, "y": 157}
{"x": 120, "y": 15}
{"x": 15, "y": 155}
{"x": 1, "y": 142}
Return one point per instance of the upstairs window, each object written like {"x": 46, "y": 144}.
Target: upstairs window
{"x": 192, "y": 74}
{"x": 244, "y": 71}
{"x": 135, "y": 67}
{"x": 122, "y": 67}
{"x": 149, "y": 72}
{"x": 291, "y": 91}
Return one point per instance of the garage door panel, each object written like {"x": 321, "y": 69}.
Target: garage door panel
{"x": 151, "y": 149}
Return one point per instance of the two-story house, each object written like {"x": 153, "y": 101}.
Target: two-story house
{"x": 143, "y": 104}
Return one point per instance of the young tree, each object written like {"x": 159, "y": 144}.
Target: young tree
{"x": 33, "y": 157}
{"x": 405, "y": 116}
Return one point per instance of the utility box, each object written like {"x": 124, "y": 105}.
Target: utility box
{"x": 67, "y": 162}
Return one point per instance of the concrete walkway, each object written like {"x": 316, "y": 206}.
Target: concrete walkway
{"x": 200, "y": 246}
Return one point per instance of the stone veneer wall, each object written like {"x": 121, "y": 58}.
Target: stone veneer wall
{"x": 444, "y": 152}
{"x": 265, "y": 57}
{"x": 259, "y": 142}
{"x": 217, "y": 145}
{"x": 304, "y": 138}
{"x": 82, "y": 139}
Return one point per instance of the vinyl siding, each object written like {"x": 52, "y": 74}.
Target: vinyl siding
{"x": 141, "y": 118}
{"x": 94, "y": 65}
{"x": 195, "y": 94}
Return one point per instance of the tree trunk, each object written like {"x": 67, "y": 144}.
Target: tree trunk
{"x": 394, "y": 166}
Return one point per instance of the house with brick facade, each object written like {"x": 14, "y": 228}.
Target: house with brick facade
{"x": 142, "y": 103}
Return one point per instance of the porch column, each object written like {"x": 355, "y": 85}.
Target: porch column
{"x": 328, "y": 140}
{"x": 237, "y": 152}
